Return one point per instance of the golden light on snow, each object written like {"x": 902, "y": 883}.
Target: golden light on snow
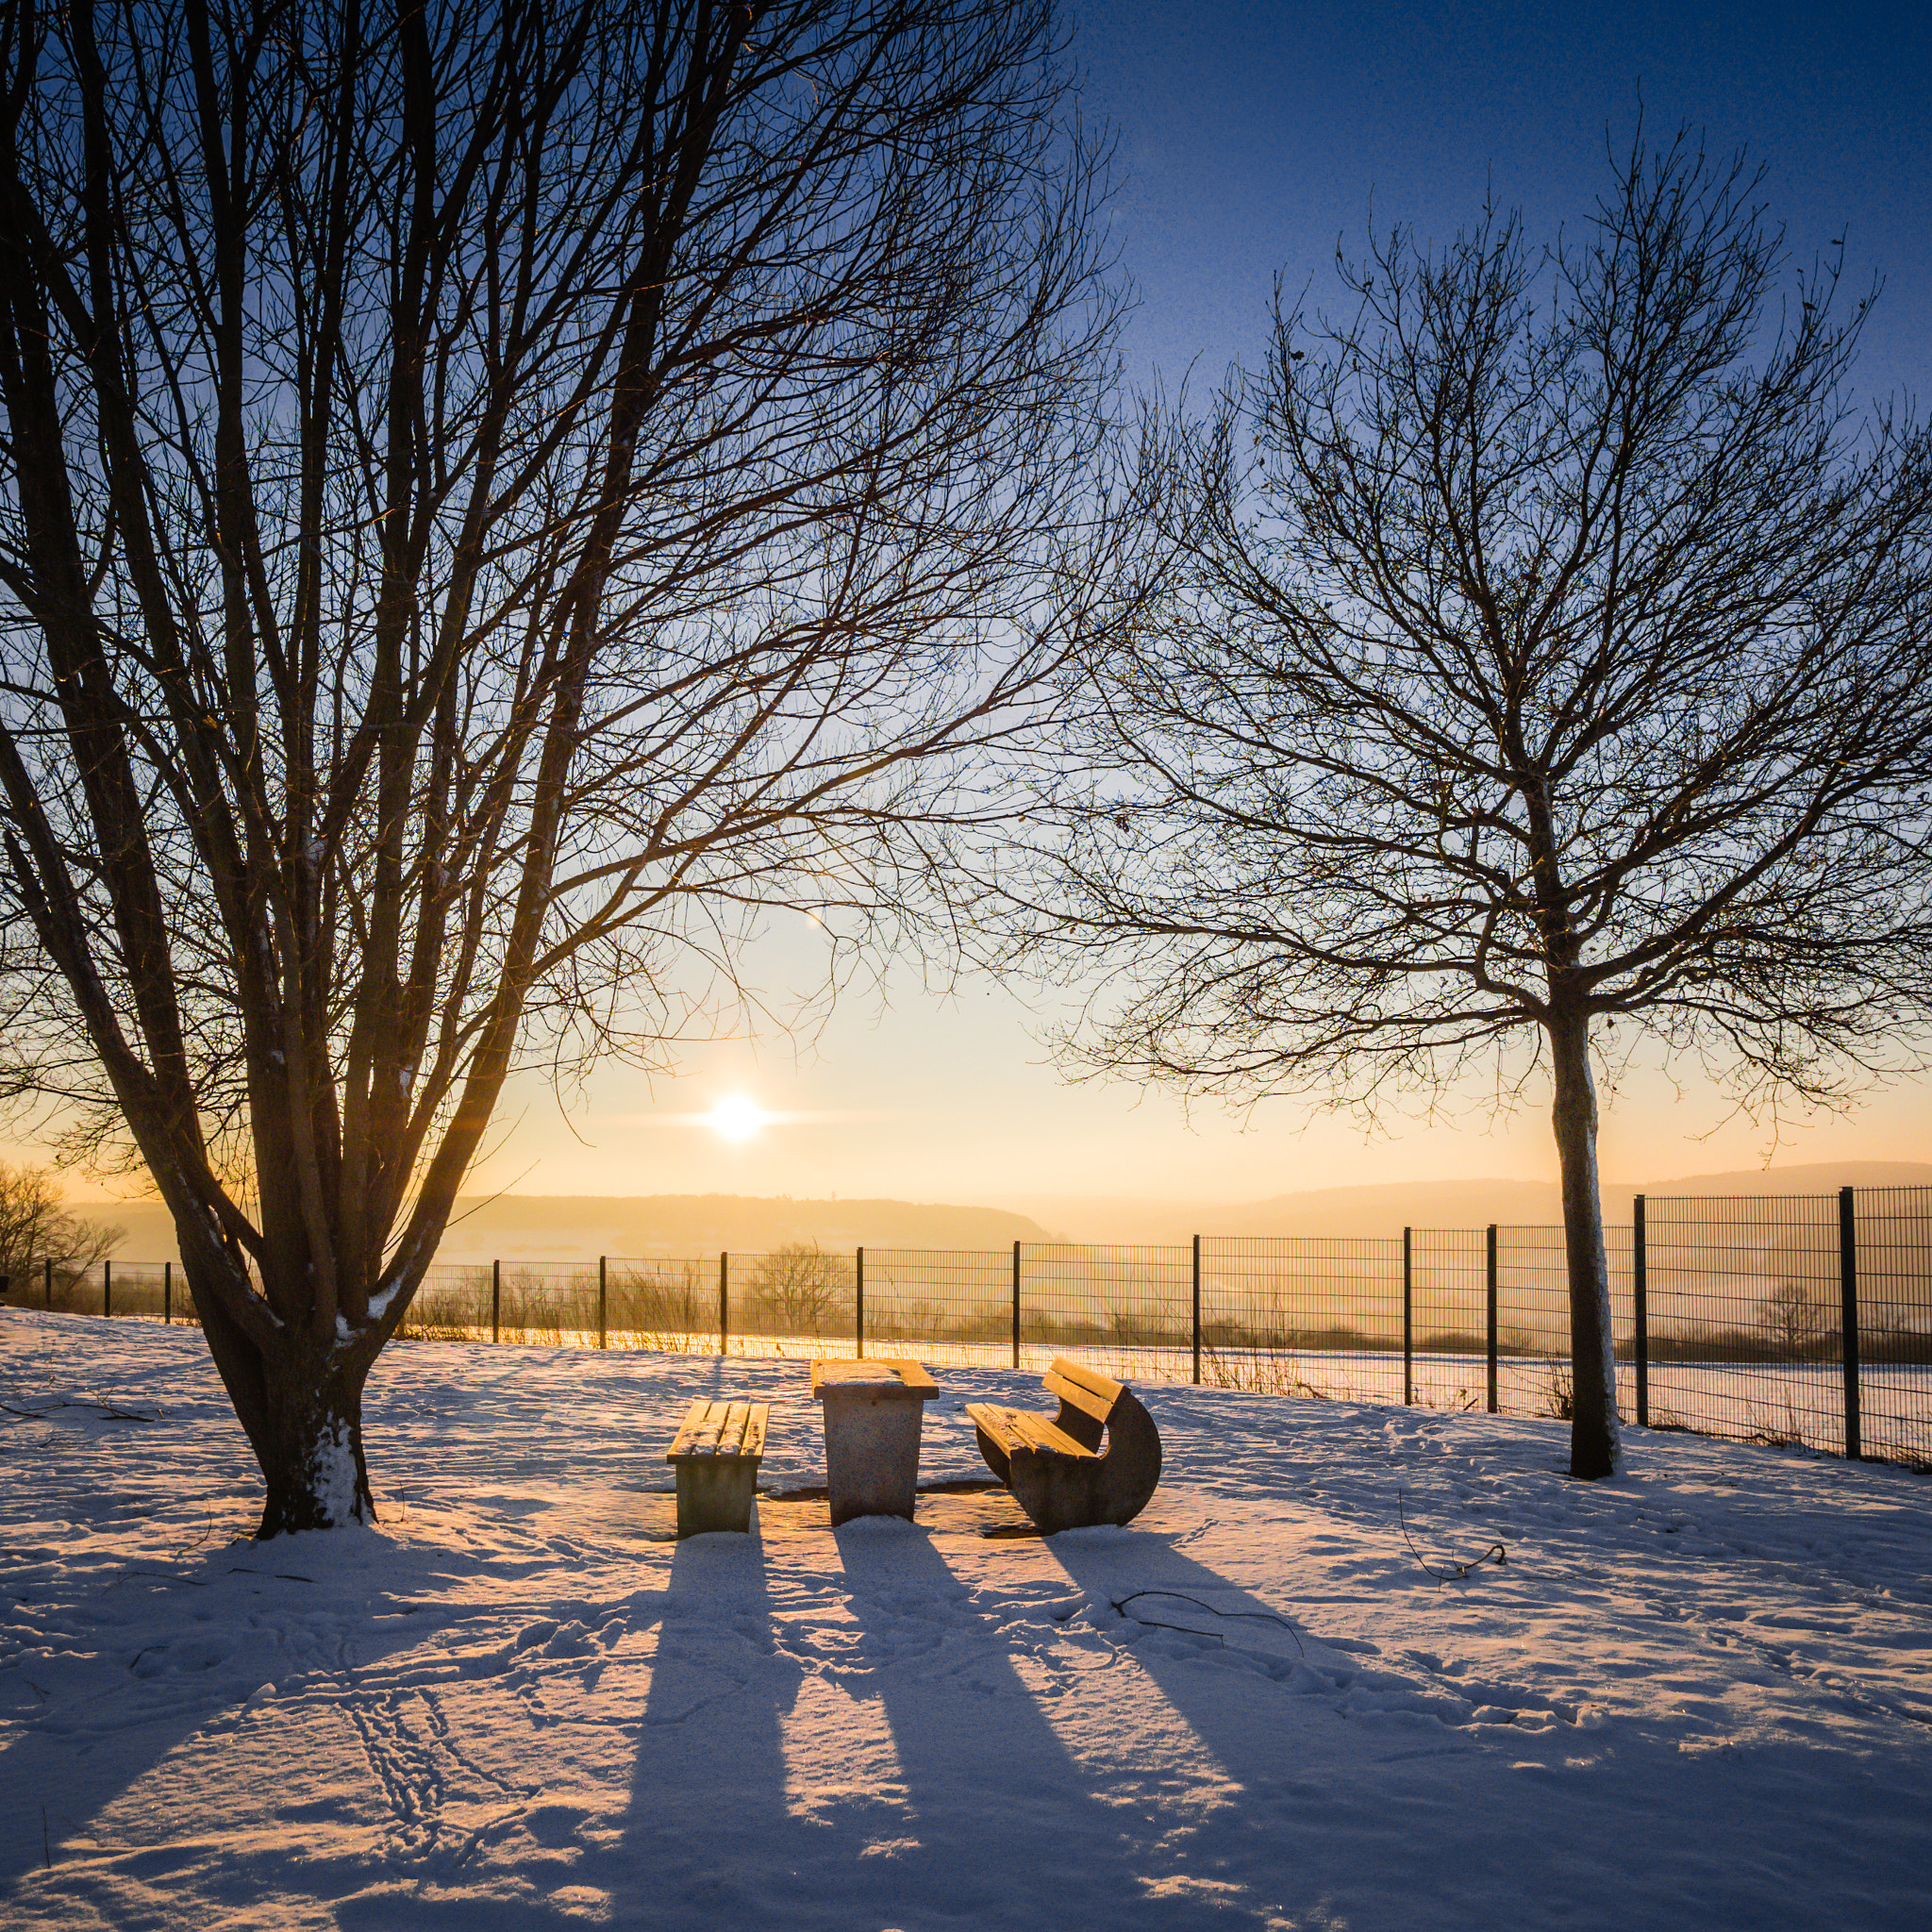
{"x": 737, "y": 1118}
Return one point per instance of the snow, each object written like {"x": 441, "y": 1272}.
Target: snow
{"x": 1696, "y": 1695}
{"x": 334, "y": 1477}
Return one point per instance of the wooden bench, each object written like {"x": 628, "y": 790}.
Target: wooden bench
{"x": 716, "y": 1455}
{"x": 1055, "y": 1467}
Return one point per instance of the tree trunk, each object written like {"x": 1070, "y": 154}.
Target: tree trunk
{"x": 300, "y": 1405}
{"x": 311, "y": 1451}
{"x": 1595, "y": 1450}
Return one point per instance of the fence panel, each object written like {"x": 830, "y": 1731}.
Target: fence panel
{"x": 1894, "y": 1255}
{"x": 943, "y": 1306}
{"x": 452, "y": 1304}
{"x": 1128, "y": 1311}
{"x": 666, "y": 1304}
{"x": 1744, "y": 1331}
{"x": 1449, "y": 1269}
{"x": 139, "y": 1288}
{"x": 793, "y": 1301}
{"x": 1533, "y": 1321}
{"x": 1312, "y": 1316}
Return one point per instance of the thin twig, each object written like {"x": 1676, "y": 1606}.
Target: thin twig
{"x": 1154, "y": 1624}
{"x": 1462, "y": 1570}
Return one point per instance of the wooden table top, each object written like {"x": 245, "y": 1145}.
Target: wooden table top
{"x": 886, "y": 1375}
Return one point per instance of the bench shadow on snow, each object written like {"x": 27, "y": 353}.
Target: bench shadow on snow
{"x": 215, "y": 1630}
{"x": 984, "y": 1822}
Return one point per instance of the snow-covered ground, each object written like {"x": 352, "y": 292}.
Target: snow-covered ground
{"x": 1696, "y": 1696}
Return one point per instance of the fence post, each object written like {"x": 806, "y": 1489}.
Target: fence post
{"x": 603, "y": 1300}
{"x": 1848, "y": 1296}
{"x": 496, "y": 1301}
{"x": 1016, "y": 1305}
{"x": 1408, "y": 1318}
{"x": 107, "y": 1287}
{"x": 723, "y": 1299}
{"x": 1639, "y": 1308}
{"x": 858, "y": 1304}
{"x": 167, "y": 1293}
{"x": 1489, "y": 1312}
{"x": 49, "y": 1266}
{"x": 1197, "y": 1307}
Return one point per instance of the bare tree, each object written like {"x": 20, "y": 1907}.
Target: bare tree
{"x": 1795, "y": 1318}
{"x": 37, "y": 1227}
{"x": 1546, "y": 651}
{"x": 794, "y": 1287}
{"x": 492, "y": 494}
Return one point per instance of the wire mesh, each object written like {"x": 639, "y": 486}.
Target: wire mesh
{"x": 793, "y": 1302}
{"x": 66, "y": 1289}
{"x": 1284, "y": 1316}
{"x": 1895, "y": 1271}
{"x": 1745, "y": 1334}
{"x": 943, "y": 1306}
{"x": 1745, "y": 1318}
{"x": 133, "y": 1288}
{"x": 1449, "y": 1274}
{"x": 1128, "y": 1311}
{"x": 1533, "y": 1376}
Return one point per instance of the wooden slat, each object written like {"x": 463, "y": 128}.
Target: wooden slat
{"x": 913, "y": 1374}
{"x": 998, "y": 1424}
{"x": 701, "y": 1424}
{"x": 732, "y": 1434}
{"x": 755, "y": 1425}
{"x": 1098, "y": 1406}
{"x": 1041, "y": 1434}
{"x": 1087, "y": 1379}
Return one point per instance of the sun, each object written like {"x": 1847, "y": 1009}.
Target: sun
{"x": 737, "y": 1118}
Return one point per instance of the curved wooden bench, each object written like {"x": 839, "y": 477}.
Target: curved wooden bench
{"x": 1055, "y": 1467}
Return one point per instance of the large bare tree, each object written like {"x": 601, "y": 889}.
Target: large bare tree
{"x": 494, "y": 492}
{"x": 1545, "y": 651}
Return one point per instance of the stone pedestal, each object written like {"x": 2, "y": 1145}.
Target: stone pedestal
{"x": 873, "y": 1410}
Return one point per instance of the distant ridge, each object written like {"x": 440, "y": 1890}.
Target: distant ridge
{"x": 566, "y": 1227}
{"x": 1386, "y": 1207}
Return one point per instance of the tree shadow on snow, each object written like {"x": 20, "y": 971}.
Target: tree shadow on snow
{"x": 174, "y": 1650}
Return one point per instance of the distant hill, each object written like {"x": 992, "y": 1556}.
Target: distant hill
{"x": 1387, "y": 1207}
{"x": 566, "y": 1227}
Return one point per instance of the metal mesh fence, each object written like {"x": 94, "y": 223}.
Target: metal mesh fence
{"x": 1745, "y": 1335}
{"x": 1894, "y": 1286}
{"x": 951, "y": 1306}
{"x": 1533, "y": 1321}
{"x": 1310, "y": 1317}
{"x": 1128, "y": 1311}
{"x": 795, "y": 1301}
{"x": 1743, "y": 1331}
{"x": 1449, "y": 1270}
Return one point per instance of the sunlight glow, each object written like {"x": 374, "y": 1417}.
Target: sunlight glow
{"x": 737, "y": 1118}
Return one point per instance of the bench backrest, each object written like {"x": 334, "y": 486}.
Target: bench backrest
{"x": 1082, "y": 1388}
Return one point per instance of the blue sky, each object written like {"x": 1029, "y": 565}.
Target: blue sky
{"x": 1250, "y": 146}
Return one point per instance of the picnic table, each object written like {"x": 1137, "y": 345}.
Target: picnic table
{"x": 873, "y": 1410}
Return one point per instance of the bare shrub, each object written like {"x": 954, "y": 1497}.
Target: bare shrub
{"x": 795, "y": 1289}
